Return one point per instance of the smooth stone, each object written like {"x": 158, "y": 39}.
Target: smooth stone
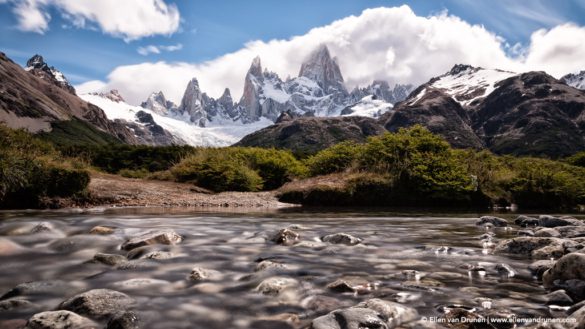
{"x": 341, "y": 238}
{"x": 125, "y": 320}
{"x": 571, "y": 231}
{"x": 102, "y": 230}
{"x": 547, "y": 232}
{"x": 52, "y": 287}
{"x": 539, "y": 267}
{"x": 98, "y": 303}
{"x": 571, "y": 266}
{"x": 373, "y": 313}
{"x": 559, "y": 298}
{"x": 285, "y": 237}
{"x": 539, "y": 248}
{"x": 495, "y": 221}
{"x": 78, "y": 242}
{"x": 351, "y": 284}
{"x": 15, "y": 304}
{"x": 199, "y": 274}
{"x": 268, "y": 265}
{"x": 59, "y": 320}
{"x": 551, "y": 221}
{"x": 526, "y": 221}
{"x": 573, "y": 287}
{"x": 276, "y": 285}
{"x": 154, "y": 237}
{"x": 525, "y": 233}
{"x": 109, "y": 259}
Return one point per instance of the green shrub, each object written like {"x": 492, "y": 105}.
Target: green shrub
{"x": 577, "y": 159}
{"x": 337, "y": 158}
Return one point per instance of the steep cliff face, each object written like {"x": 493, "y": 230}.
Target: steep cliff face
{"x": 34, "y": 102}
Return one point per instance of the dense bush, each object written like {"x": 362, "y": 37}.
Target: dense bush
{"x": 31, "y": 170}
{"x": 130, "y": 160}
{"x": 337, "y": 158}
{"x": 238, "y": 169}
{"x": 577, "y": 159}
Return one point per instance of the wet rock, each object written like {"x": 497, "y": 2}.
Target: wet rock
{"x": 79, "y": 242}
{"x": 525, "y": 233}
{"x": 8, "y": 247}
{"x": 109, "y": 259}
{"x": 155, "y": 237}
{"x": 526, "y": 221}
{"x": 425, "y": 284}
{"x": 125, "y": 320}
{"x": 373, "y": 313}
{"x": 341, "y": 238}
{"x": 574, "y": 288}
{"x": 98, "y": 303}
{"x": 547, "y": 232}
{"x": 15, "y": 304}
{"x": 571, "y": 266}
{"x": 495, "y": 221}
{"x": 539, "y": 248}
{"x": 559, "y": 298}
{"x": 59, "y": 320}
{"x": 102, "y": 230}
{"x": 52, "y": 287}
{"x": 321, "y": 304}
{"x": 539, "y": 267}
{"x": 150, "y": 252}
{"x": 351, "y": 284}
{"x": 42, "y": 227}
{"x": 571, "y": 231}
{"x": 551, "y": 221}
{"x": 199, "y": 274}
{"x": 276, "y": 285}
{"x": 286, "y": 237}
{"x": 268, "y": 265}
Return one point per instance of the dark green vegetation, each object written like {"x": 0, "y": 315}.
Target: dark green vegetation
{"x": 411, "y": 167}
{"x": 76, "y": 132}
{"x": 414, "y": 167}
{"x": 31, "y": 171}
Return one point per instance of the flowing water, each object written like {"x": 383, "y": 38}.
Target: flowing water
{"x": 425, "y": 261}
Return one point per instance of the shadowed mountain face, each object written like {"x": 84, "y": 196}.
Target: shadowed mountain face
{"x": 309, "y": 135}
{"x": 37, "y": 102}
{"x": 525, "y": 114}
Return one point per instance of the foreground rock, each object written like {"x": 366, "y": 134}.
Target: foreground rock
{"x": 551, "y": 221}
{"x": 276, "y": 285}
{"x": 495, "y": 221}
{"x": 98, "y": 303}
{"x": 373, "y": 313}
{"x": 569, "y": 267}
{"x": 342, "y": 238}
{"x": 158, "y": 237}
{"x": 286, "y": 237}
{"x": 537, "y": 247}
{"x": 59, "y": 320}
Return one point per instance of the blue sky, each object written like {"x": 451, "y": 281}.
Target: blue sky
{"x": 109, "y": 44}
{"x": 211, "y": 28}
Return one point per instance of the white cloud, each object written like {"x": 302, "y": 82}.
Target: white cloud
{"x": 383, "y": 43}
{"x": 128, "y": 19}
{"x": 151, "y": 49}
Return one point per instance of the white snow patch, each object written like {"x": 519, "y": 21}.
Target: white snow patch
{"x": 214, "y": 135}
{"x": 370, "y": 107}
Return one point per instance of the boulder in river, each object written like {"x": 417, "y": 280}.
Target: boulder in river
{"x": 285, "y": 237}
{"x": 275, "y": 285}
{"x": 167, "y": 237}
{"x": 495, "y": 221}
{"x": 547, "y": 232}
{"x": 571, "y": 266}
{"x": 125, "y": 320}
{"x": 50, "y": 287}
{"x": 535, "y": 247}
{"x": 98, "y": 303}
{"x": 372, "y": 313}
{"x": 552, "y": 221}
{"x": 109, "y": 259}
{"x": 59, "y": 320}
{"x": 526, "y": 221}
{"x": 341, "y": 238}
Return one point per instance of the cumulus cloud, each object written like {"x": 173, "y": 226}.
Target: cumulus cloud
{"x": 151, "y": 49}
{"x": 128, "y": 19}
{"x": 393, "y": 44}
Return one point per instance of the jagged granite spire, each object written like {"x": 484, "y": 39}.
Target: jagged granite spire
{"x": 192, "y": 106}
{"x": 37, "y": 66}
{"x": 323, "y": 69}
{"x": 251, "y": 98}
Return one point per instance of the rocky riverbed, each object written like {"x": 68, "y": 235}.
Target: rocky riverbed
{"x": 117, "y": 269}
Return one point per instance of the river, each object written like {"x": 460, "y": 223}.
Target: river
{"x": 427, "y": 261}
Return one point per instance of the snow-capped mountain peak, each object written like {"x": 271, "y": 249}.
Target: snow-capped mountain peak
{"x": 323, "y": 69}
{"x": 465, "y": 84}
{"x": 576, "y": 80}
{"x": 37, "y": 66}
{"x": 158, "y": 103}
